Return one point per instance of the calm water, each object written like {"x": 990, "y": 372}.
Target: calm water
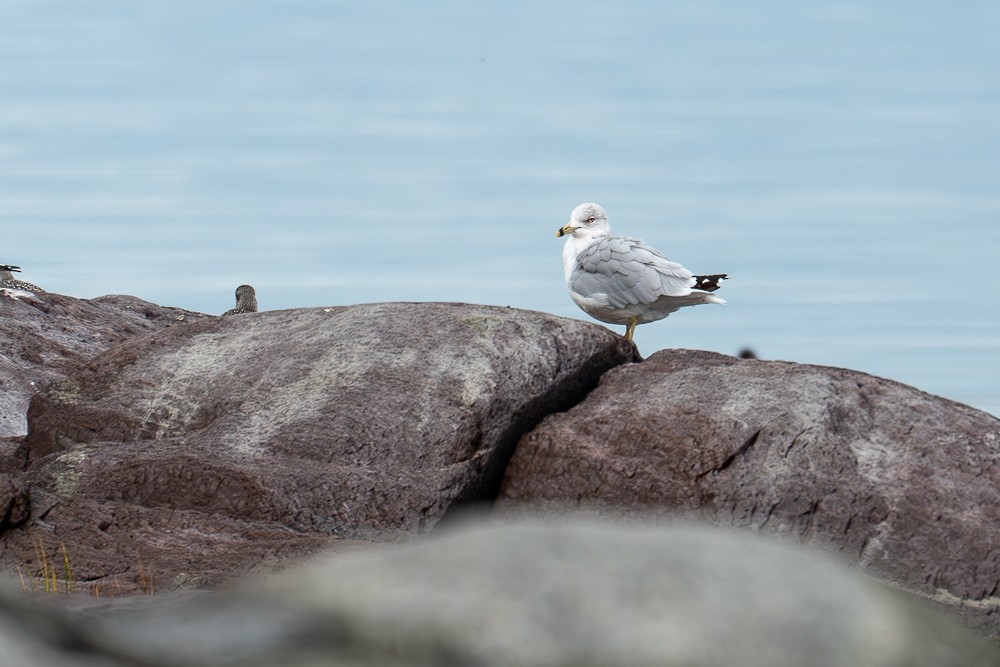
{"x": 841, "y": 161}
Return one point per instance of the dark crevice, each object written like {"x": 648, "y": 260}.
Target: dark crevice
{"x": 560, "y": 397}
{"x": 740, "y": 451}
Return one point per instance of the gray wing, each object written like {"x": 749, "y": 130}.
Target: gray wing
{"x": 629, "y": 272}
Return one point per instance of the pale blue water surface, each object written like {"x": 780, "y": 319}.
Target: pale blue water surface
{"x": 841, "y": 161}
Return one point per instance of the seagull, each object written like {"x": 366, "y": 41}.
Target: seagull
{"x": 246, "y": 301}
{"x": 621, "y": 280}
{"x": 15, "y": 288}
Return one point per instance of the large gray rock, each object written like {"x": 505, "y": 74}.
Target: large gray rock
{"x": 555, "y": 594}
{"x": 42, "y": 339}
{"x": 904, "y": 483}
{"x": 361, "y": 422}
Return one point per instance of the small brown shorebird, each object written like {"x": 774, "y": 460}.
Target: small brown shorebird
{"x": 246, "y": 301}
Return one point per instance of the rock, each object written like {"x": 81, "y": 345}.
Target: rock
{"x": 903, "y": 483}
{"x": 15, "y": 496}
{"x": 14, "y": 502}
{"x": 531, "y": 593}
{"x": 363, "y": 422}
{"x": 41, "y": 340}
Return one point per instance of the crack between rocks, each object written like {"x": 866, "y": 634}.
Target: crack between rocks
{"x": 572, "y": 390}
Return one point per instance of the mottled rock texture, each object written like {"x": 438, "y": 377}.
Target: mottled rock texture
{"x": 237, "y": 442}
{"x": 43, "y": 339}
{"x": 532, "y": 593}
{"x": 903, "y": 483}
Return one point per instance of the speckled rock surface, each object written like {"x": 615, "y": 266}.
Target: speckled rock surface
{"x": 41, "y": 339}
{"x": 239, "y": 442}
{"x": 903, "y": 483}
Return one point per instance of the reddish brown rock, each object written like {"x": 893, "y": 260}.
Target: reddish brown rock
{"x": 904, "y": 483}
{"x": 205, "y": 447}
{"x": 40, "y": 340}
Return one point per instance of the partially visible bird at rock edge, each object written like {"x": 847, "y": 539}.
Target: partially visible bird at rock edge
{"x": 246, "y": 301}
{"x": 622, "y": 280}
{"x": 11, "y": 286}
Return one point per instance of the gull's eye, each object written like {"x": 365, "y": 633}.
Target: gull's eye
{"x": 591, "y": 219}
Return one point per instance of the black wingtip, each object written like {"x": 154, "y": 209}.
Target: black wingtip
{"x": 10, "y": 267}
{"x": 710, "y": 283}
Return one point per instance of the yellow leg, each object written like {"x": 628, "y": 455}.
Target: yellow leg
{"x": 631, "y": 328}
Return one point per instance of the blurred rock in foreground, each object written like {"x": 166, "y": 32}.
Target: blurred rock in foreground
{"x": 529, "y": 593}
